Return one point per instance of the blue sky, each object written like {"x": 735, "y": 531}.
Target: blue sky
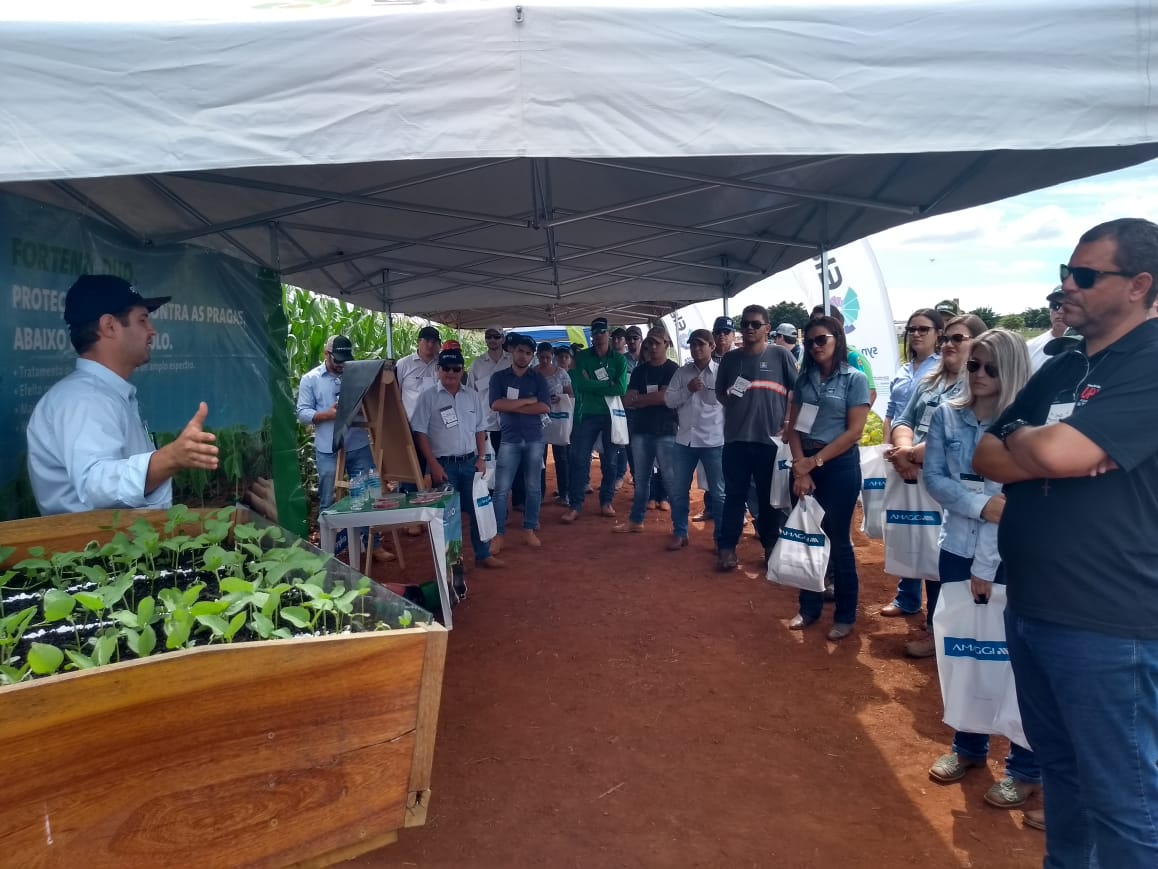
{"x": 1005, "y": 255}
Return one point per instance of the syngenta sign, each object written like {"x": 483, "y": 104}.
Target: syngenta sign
{"x": 980, "y": 650}
{"x": 913, "y": 517}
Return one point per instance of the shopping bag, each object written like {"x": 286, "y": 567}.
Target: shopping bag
{"x": 1008, "y": 720}
{"x": 558, "y": 429}
{"x": 484, "y": 509}
{"x": 618, "y": 420}
{"x": 491, "y": 464}
{"x": 912, "y": 528}
{"x": 972, "y": 657}
{"x": 800, "y": 556}
{"x": 873, "y": 468}
{"x": 781, "y": 495}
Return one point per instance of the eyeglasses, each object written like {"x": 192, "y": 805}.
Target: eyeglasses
{"x": 1055, "y": 306}
{"x": 752, "y": 324}
{"x": 919, "y": 330}
{"x": 1084, "y": 278}
{"x": 973, "y": 366}
{"x": 818, "y": 341}
{"x": 457, "y": 369}
{"x": 959, "y": 338}
{"x": 493, "y": 337}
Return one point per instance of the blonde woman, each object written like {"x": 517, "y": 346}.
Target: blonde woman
{"x": 997, "y": 368}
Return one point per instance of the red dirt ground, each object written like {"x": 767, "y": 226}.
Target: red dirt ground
{"x": 611, "y": 704}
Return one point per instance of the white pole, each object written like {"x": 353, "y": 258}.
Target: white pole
{"x": 824, "y": 279}
{"x": 389, "y": 314}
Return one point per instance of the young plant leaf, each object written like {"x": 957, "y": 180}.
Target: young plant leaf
{"x": 79, "y": 661}
{"x": 297, "y": 616}
{"x": 262, "y": 626}
{"x": 44, "y": 660}
{"x": 58, "y": 605}
{"x": 235, "y": 624}
{"x": 216, "y": 624}
{"x": 104, "y": 646}
{"x": 148, "y": 641}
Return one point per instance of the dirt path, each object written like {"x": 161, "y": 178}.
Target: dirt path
{"x": 610, "y": 704}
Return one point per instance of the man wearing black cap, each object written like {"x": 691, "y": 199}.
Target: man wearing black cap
{"x": 1057, "y": 328}
{"x": 418, "y": 372}
{"x": 632, "y": 345}
{"x": 449, "y": 425}
{"x": 599, "y": 374}
{"x": 724, "y": 334}
{"x": 88, "y": 448}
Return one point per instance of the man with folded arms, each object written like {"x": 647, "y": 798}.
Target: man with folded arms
{"x": 699, "y": 438}
{"x": 520, "y": 396}
{"x": 449, "y": 424}
{"x": 599, "y": 373}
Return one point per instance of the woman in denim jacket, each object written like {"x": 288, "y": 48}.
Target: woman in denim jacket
{"x": 998, "y": 367}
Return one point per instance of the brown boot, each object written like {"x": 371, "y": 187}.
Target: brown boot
{"x": 496, "y": 544}
{"x": 531, "y": 538}
{"x": 1034, "y": 818}
{"x": 676, "y": 543}
{"x": 922, "y": 648}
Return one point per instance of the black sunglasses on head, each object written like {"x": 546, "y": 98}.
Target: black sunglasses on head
{"x": 818, "y": 341}
{"x": 956, "y": 339}
{"x": 1084, "y": 278}
{"x": 973, "y": 366}
{"x": 752, "y": 324}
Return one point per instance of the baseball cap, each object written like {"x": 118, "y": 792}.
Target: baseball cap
{"x": 523, "y": 341}
{"x": 619, "y": 332}
{"x": 429, "y": 333}
{"x": 634, "y": 330}
{"x": 787, "y": 330}
{"x": 701, "y": 335}
{"x": 493, "y": 333}
{"x": 1068, "y": 340}
{"x": 598, "y": 325}
{"x": 341, "y": 348}
{"x": 544, "y": 347}
{"x": 723, "y": 324}
{"x": 657, "y": 333}
{"x": 450, "y": 357}
{"x": 564, "y": 348}
{"x": 1056, "y": 295}
{"x": 92, "y": 296}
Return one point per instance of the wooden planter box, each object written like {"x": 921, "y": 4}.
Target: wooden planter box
{"x": 300, "y": 752}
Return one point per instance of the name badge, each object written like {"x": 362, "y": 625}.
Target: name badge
{"x": 974, "y": 483}
{"x": 601, "y": 374}
{"x": 926, "y": 417}
{"x": 806, "y": 418}
{"x": 740, "y": 386}
{"x": 653, "y": 387}
{"x": 1059, "y": 411}
{"x": 513, "y": 393}
{"x": 449, "y": 416}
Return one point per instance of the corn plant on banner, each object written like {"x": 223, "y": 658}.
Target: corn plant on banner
{"x": 220, "y": 340}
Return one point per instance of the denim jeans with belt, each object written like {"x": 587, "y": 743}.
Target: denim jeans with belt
{"x": 460, "y": 474}
{"x": 684, "y": 461}
{"x": 837, "y": 488}
{"x": 583, "y": 435}
{"x": 1089, "y": 706}
{"x": 649, "y": 450}
{"x": 526, "y": 457}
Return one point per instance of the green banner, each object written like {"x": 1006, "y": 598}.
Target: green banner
{"x": 220, "y": 340}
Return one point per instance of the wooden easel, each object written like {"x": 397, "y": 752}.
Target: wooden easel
{"x": 391, "y": 443}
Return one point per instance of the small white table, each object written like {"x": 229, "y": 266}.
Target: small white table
{"x": 434, "y": 516}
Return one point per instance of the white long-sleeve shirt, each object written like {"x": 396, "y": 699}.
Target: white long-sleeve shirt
{"x": 701, "y": 416}
{"x": 480, "y": 381}
{"x": 415, "y": 377}
{"x": 88, "y": 448}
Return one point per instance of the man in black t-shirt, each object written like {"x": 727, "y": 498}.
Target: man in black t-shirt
{"x": 652, "y": 424}
{"x": 1078, "y": 453}
{"x": 753, "y": 383}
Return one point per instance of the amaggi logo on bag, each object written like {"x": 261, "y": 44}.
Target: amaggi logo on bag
{"x": 618, "y": 411}
{"x": 798, "y": 536}
{"x": 913, "y": 517}
{"x": 967, "y": 647}
{"x": 784, "y": 465}
{"x": 871, "y": 483}
{"x": 485, "y": 501}
{"x": 559, "y": 414}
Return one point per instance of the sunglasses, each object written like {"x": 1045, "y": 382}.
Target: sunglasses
{"x": 1055, "y": 306}
{"x": 818, "y": 341}
{"x": 1084, "y": 278}
{"x": 457, "y": 369}
{"x": 494, "y": 337}
{"x": 752, "y": 324}
{"x": 919, "y": 330}
{"x": 973, "y": 366}
{"x": 956, "y": 339}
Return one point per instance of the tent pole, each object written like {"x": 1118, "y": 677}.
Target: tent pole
{"x": 724, "y": 285}
{"x": 389, "y": 314}
{"x": 274, "y": 250}
{"x": 824, "y": 279}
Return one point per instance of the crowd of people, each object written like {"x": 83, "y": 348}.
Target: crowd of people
{"x": 1042, "y": 458}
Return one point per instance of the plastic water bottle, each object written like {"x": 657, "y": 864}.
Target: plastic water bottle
{"x": 358, "y": 491}
{"x": 373, "y": 487}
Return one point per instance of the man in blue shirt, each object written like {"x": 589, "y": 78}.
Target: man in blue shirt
{"x": 88, "y": 448}
{"x": 521, "y": 396}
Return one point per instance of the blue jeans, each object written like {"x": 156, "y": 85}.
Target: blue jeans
{"x": 623, "y": 460}
{"x": 512, "y": 458}
{"x": 684, "y": 461}
{"x": 562, "y": 454}
{"x": 648, "y": 450}
{"x": 357, "y": 461}
{"x": 909, "y": 595}
{"x": 837, "y": 488}
{"x": 746, "y": 463}
{"x": 583, "y": 435}
{"x": 460, "y": 475}
{"x": 1089, "y": 706}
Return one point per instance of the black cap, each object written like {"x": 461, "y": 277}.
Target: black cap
{"x": 564, "y": 348}
{"x": 93, "y": 296}
{"x": 619, "y": 332}
{"x": 598, "y": 325}
{"x": 723, "y": 324}
{"x": 1056, "y": 295}
{"x": 634, "y": 330}
{"x": 1069, "y": 340}
{"x": 341, "y": 348}
{"x": 429, "y": 333}
{"x": 523, "y": 341}
{"x": 450, "y": 358}
{"x": 544, "y": 347}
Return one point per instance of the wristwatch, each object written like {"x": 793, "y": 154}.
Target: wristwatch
{"x": 1009, "y": 428}
{"x": 819, "y": 461}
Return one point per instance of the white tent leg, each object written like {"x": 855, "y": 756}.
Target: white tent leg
{"x": 824, "y": 280}
{"x": 386, "y": 306}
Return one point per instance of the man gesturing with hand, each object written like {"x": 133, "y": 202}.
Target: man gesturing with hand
{"x": 88, "y": 448}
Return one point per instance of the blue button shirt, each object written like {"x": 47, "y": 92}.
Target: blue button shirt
{"x": 319, "y": 390}
{"x": 901, "y": 389}
{"x": 845, "y": 388}
{"x": 88, "y": 448}
{"x": 926, "y": 398}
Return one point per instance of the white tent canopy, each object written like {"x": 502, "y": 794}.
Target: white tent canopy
{"x": 487, "y": 163}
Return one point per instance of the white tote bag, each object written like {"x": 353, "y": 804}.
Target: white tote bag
{"x": 619, "y": 435}
{"x": 484, "y": 509}
{"x": 491, "y": 464}
{"x": 873, "y": 468}
{"x": 972, "y": 658}
{"x": 780, "y": 496}
{"x": 558, "y": 429}
{"x": 1008, "y": 720}
{"x": 800, "y": 556}
{"x": 912, "y": 528}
